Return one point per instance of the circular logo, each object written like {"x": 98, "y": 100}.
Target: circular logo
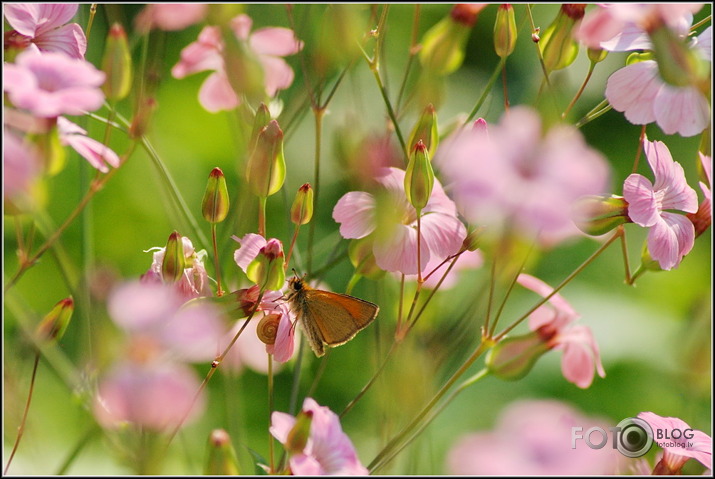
{"x": 635, "y": 437}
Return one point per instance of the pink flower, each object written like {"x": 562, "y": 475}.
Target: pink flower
{"x": 154, "y": 395}
{"x": 516, "y": 178}
{"x": 43, "y": 27}
{"x": 194, "y": 282}
{"x": 170, "y": 16}
{"x": 21, "y": 167}
{"x": 671, "y": 236}
{"x": 97, "y": 154}
{"x": 531, "y": 438}
{"x": 53, "y": 84}
{"x": 269, "y": 44}
{"x": 395, "y": 243}
{"x": 707, "y": 163}
{"x": 553, "y": 322}
{"x": 328, "y": 450}
{"x": 678, "y": 449}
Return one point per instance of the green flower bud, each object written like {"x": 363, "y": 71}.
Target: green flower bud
{"x": 597, "y": 215}
{"x": 678, "y": 64}
{"x": 299, "y": 434}
{"x": 174, "y": 262}
{"x": 215, "y": 204}
{"x": 444, "y": 44}
{"x": 505, "y": 30}
{"x": 558, "y": 47}
{"x": 647, "y": 261}
{"x": 268, "y": 269}
{"x": 266, "y": 169}
{"x": 301, "y": 211}
{"x": 363, "y": 259}
{"x": 260, "y": 121}
{"x": 596, "y": 55}
{"x": 513, "y": 358}
{"x": 54, "y": 324}
{"x": 117, "y": 64}
{"x": 221, "y": 460}
{"x": 49, "y": 147}
{"x": 473, "y": 239}
{"x": 426, "y": 130}
{"x": 419, "y": 177}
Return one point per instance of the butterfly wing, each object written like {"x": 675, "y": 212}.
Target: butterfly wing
{"x": 338, "y": 317}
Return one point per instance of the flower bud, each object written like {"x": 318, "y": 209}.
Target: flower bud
{"x": 419, "y": 177}
{"x": 678, "y": 64}
{"x": 267, "y": 270}
{"x": 50, "y": 149}
{"x": 266, "y": 169}
{"x": 117, "y": 64}
{"x": 221, "y": 459}
{"x": 505, "y": 30}
{"x": 174, "y": 262}
{"x": 363, "y": 259}
{"x": 301, "y": 211}
{"x": 140, "y": 122}
{"x": 596, "y": 55}
{"x": 597, "y": 215}
{"x": 54, "y": 324}
{"x": 558, "y": 47}
{"x": 647, "y": 261}
{"x": 215, "y": 204}
{"x": 513, "y": 358}
{"x": 299, "y": 434}
{"x": 701, "y": 219}
{"x": 260, "y": 121}
{"x": 243, "y": 68}
{"x": 443, "y": 45}
{"x": 426, "y": 130}
{"x": 473, "y": 239}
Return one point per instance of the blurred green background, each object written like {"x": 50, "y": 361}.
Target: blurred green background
{"x": 655, "y": 337}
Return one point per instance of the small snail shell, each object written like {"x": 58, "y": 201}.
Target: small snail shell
{"x": 268, "y": 328}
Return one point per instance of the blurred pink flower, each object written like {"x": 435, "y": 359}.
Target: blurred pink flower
{"x": 678, "y": 450}
{"x": 328, "y": 451}
{"x": 53, "y": 84}
{"x": 671, "y": 236}
{"x": 395, "y": 244}
{"x": 21, "y": 166}
{"x": 270, "y": 44}
{"x": 170, "y": 16}
{"x": 516, "y": 178}
{"x": 553, "y": 322}
{"x": 154, "y": 395}
{"x": 532, "y": 438}
{"x": 97, "y": 154}
{"x": 195, "y": 281}
{"x": 43, "y": 27}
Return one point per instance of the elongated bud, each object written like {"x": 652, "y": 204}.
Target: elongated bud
{"x": 266, "y": 168}
{"x": 267, "y": 269}
{"x": 301, "y": 211}
{"x": 142, "y": 117}
{"x": 505, "y": 30}
{"x": 117, "y": 64}
{"x": 558, "y": 47}
{"x": 678, "y": 64}
{"x": 174, "y": 262}
{"x": 299, "y": 434}
{"x": 597, "y": 215}
{"x": 473, "y": 239}
{"x": 215, "y": 204}
{"x": 54, "y": 324}
{"x": 243, "y": 68}
{"x": 419, "y": 177}
{"x": 426, "y": 130}
{"x": 362, "y": 258}
{"x": 444, "y": 44}
{"x": 513, "y": 358}
{"x": 260, "y": 121}
{"x": 221, "y": 458}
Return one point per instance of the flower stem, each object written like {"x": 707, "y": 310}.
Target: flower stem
{"x": 21, "y": 429}
{"x": 598, "y": 110}
{"x": 216, "y": 262}
{"x": 591, "y": 67}
{"x": 262, "y": 215}
{"x": 270, "y": 410}
{"x": 318, "y": 113}
{"x": 487, "y": 89}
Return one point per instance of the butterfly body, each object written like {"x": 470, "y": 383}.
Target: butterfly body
{"x": 327, "y": 317}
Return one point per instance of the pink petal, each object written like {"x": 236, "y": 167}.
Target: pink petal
{"x": 444, "y": 234}
{"x": 642, "y": 205}
{"x": 275, "y": 41}
{"x": 278, "y": 74}
{"x": 281, "y": 425}
{"x": 397, "y": 250}
{"x": 439, "y": 202}
{"x": 35, "y": 19}
{"x": 203, "y": 54}
{"x": 241, "y": 26}
{"x": 68, "y": 39}
{"x": 138, "y": 307}
{"x": 20, "y": 165}
{"x": 284, "y": 346}
{"x": 701, "y": 449}
{"x": 633, "y": 89}
{"x": 685, "y": 111}
{"x": 251, "y": 244}
{"x": 670, "y": 178}
{"x": 355, "y": 212}
{"x": 630, "y": 38}
{"x": 97, "y": 154}
{"x": 216, "y": 93}
{"x": 580, "y": 356}
{"x": 670, "y": 239}
{"x": 704, "y": 43}
{"x": 194, "y": 332}
{"x": 598, "y": 26}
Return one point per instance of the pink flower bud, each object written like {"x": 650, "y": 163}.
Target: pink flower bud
{"x": 301, "y": 211}
{"x": 54, "y": 324}
{"x": 222, "y": 458}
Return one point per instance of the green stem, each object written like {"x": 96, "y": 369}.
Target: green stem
{"x": 600, "y": 109}
{"x": 81, "y": 444}
{"x": 318, "y": 112}
{"x": 487, "y": 89}
{"x": 270, "y": 411}
{"x": 580, "y": 90}
{"x": 21, "y": 429}
{"x": 262, "y": 215}
{"x": 216, "y": 262}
